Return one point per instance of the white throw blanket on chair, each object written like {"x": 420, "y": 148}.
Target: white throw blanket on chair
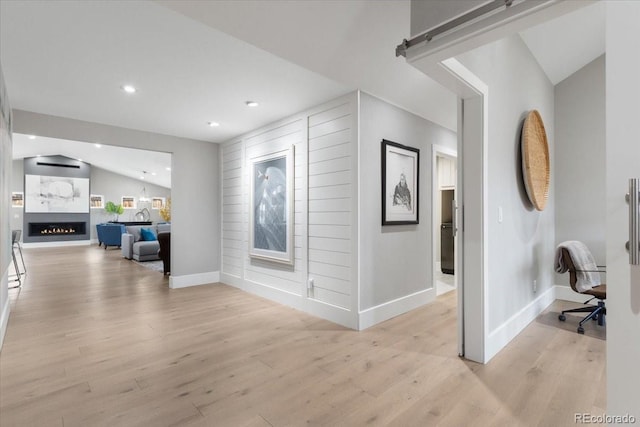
{"x": 586, "y": 268}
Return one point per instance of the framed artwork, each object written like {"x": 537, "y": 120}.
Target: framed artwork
{"x": 271, "y": 207}
{"x": 56, "y": 194}
{"x": 17, "y": 199}
{"x": 400, "y": 178}
{"x": 129, "y": 202}
{"x": 157, "y": 202}
{"x": 96, "y": 201}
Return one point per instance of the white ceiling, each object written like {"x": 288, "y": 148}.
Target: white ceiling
{"x": 352, "y": 42}
{"x": 564, "y": 45}
{"x": 70, "y": 59}
{"x": 199, "y": 61}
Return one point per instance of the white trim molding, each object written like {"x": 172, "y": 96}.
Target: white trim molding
{"x": 187, "y": 280}
{"x": 503, "y": 334}
{"x": 380, "y": 313}
{"x": 57, "y": 244}
{"x": 332, "y": 313}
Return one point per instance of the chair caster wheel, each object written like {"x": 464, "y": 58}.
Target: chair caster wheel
{"x": 562, "y": 317}
{"x": 581, "y": 330}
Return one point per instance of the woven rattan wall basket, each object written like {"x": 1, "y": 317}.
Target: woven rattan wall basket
{"x": 535, "y": 160}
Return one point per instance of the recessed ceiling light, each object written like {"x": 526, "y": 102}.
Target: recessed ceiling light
{"x": 153, "y": 173}
{"x": 129, "y": 89}
{"x": 142, "y": 177}
{"x": 251, "y": 104}
{"x": 169, "y": 169}
{"x": 32, "y": 137}
{"x": 79, "y": 160}
{"x": 213, "y": 124}
{"x": 98, "y": 145}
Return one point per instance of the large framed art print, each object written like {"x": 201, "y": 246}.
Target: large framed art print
{"x": 271, "y": 213}
{"x": 56, "y": 194}
{"x": 400, "y": 178}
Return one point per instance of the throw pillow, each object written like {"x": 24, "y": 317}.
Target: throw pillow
{"x": 147, "y": 235}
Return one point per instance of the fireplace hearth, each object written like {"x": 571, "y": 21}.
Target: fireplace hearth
{"x": 58, "y": 228}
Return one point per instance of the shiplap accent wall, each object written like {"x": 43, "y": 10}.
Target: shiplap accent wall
{"x": 266, "y": 273}
{"x": 325, "y": 236}
{"x": 331, "y": 202}
{"x": 233, "y": 222}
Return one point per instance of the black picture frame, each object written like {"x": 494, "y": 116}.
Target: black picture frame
{"x": 400, "y": 201}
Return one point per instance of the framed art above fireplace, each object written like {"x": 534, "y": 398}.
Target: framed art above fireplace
{"x": 56, "y": 194}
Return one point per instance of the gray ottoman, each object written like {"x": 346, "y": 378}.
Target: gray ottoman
{"x": 146, "y": 251}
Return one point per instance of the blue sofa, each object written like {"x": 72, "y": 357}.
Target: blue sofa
{"x": 110, "y": 234}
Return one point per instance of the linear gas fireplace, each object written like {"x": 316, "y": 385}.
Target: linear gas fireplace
{"x": 57, "y": 228}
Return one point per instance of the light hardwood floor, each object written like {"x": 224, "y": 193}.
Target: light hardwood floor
{"x": 96, "y": 340}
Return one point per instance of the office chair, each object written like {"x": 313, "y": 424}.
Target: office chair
{"x": 565, "y": 262}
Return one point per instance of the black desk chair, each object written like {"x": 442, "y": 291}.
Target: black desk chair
{"x": 596, "y": 312}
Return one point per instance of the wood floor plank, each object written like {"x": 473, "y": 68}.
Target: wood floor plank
{"x": 97, "y": 340}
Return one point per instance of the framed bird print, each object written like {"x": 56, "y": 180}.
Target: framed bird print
{"x": 271, "y": 213}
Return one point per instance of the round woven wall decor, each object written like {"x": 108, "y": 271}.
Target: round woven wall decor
{"x": 535, "y": 160}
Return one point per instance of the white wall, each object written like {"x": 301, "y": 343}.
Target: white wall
{"x": 396, "y": 260}
{"x": 331, "y": 173}
{"x": 623, "y": 162}
{"x": 579, "y": 166}
{"x": 235, "y": 209}
{"x": 195, "y": 181}
{"x": 325, "y": 211}
{"x": 5, "y": 204}
{"x": 333, "y": 212}
{"x": 521, "y": 248}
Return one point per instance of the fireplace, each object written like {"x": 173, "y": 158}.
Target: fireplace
{"x": 59, "y": 228}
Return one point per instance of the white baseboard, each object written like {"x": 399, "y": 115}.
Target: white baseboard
{"x": 387, "y": 310}
{"x": 274, "y": 294}
{"x": 184, "y": 281}
{"x": 332, "y": 313}
{"x": 231, "y": 280}
{"x": 57, "y": 244}
{"x": 502, "y": 335}
{"x": 4, "y": 315}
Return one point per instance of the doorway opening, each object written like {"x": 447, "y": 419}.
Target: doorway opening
{"x": 444, "y": 191}
{"x": 139, "y": 180}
